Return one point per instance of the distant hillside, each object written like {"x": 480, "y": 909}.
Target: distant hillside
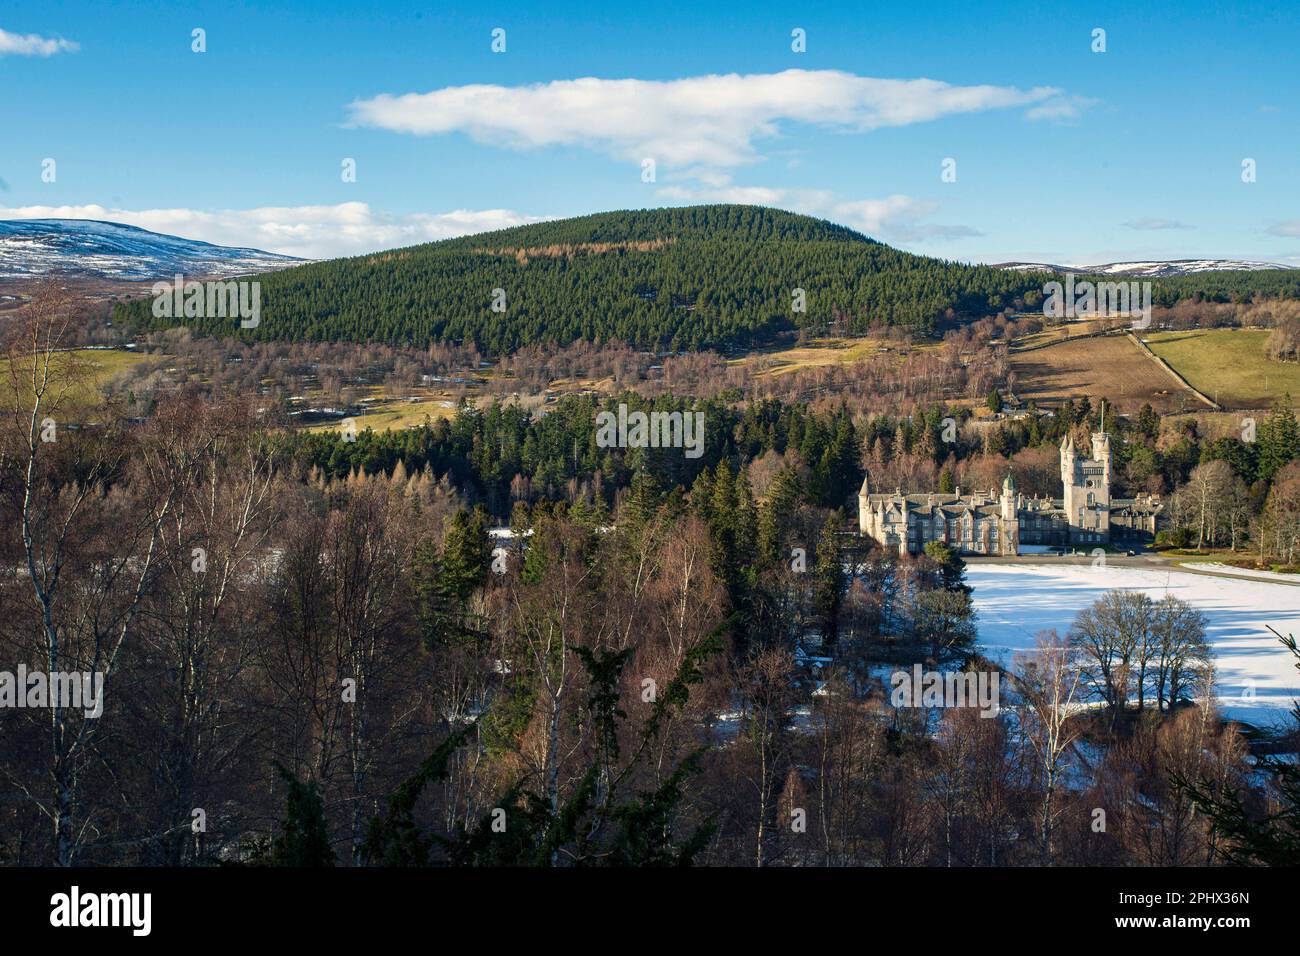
{"x": 679, "y": 278}
{"x": 89, "y": 249}
{"x": 1160, "y": 269}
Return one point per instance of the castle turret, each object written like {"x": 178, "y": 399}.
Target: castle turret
{"x": 1067, "y": 459}
{"x": 864, "y": 505}
{"x": 1101, "y": 454}
{"x": 1009, "y": 498}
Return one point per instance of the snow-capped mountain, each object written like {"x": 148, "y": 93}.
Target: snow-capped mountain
{"x": 1150, "y": 270}
{"x": 87, "y": 248}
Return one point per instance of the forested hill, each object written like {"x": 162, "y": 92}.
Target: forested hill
{"x": 678, "y": 278}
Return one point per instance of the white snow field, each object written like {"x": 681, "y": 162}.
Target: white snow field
{"x": 1257, "y": 678}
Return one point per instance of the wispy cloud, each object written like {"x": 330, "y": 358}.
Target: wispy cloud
{"x": 1289, "y": 228}
{"x": 1061, "y": 108}
{"x": 31, "y": 44}
{"x": 895, "y": 218}
{"x": 709, "y": 121}
{"x": 1156, "y": 224}
{"x": 898, "y": 218}
{"x": 313, "y": 232}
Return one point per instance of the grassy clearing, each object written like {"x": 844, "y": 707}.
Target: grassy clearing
{"x": 78, "y": 376}
{"x": 819, "y": 352}
{"x": 390, "y": 414}
{"x": 1229, "y": 365}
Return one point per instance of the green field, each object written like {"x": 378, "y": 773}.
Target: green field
{"x": 76, "y": 376}
{"x": 1228, "y": 365}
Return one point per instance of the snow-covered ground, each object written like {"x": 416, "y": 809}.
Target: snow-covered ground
{"x": 1257, "y": 678}
{"x": 1221, "y": 568}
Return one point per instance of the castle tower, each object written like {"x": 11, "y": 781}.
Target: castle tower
{"x": 864, "y": 506}
{"x": 1086, "y": 485}
{"x": 1009, "y": 534}
{"x": 1008, "y": 499}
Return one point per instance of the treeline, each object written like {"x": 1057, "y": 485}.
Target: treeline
{"x": 503, "y": 453}
{"x": 1220, "y": 485}
{"x": 1238, "y": 287}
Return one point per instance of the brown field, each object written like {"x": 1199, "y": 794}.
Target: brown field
{"x": 1111, "y": 366}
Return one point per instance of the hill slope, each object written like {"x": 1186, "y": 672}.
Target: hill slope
{"x": 87, "y": 248}
{"x": 679, "y": 278}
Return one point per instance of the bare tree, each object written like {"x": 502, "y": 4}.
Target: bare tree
{"x": 88, "y": 552}
{"x": 1047, "y": 680}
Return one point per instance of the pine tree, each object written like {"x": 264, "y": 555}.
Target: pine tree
{"x": 445, "y": 581}
{"x": 829, "y": 579}
{"x": 1278, "y": 439}
{"x": 304, "y": 838}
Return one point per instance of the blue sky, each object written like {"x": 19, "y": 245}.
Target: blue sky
{"x": 1062, "y": 154}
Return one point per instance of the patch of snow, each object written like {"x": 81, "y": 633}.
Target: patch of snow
{"x": 1243, "y": 572}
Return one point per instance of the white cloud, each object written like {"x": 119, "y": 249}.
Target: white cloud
{"x": 894, "y": 218}
{"x": 705, "y": 121}
{"x": 33, "y": 45}
{"x": 313, "y": 232}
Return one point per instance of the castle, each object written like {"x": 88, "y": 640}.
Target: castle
{"x": 992, "y": 523}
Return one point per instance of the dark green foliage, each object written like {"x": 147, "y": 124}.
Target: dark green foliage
{"x": 304, "y": 838}
{"x": 951, "y": 566}
{"x": 1279, "y": 439}
{"x": 395, "y": 839}
{"x": 445, "y": 581}
{"x": 1236, "y": 286}
{"x": 775, "y": 515}
{"x": 829, "y": 578}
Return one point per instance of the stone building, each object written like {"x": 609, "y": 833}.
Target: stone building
{"x": 1004, "y": 523}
